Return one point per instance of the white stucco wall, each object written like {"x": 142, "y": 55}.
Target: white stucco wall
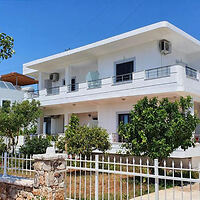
{"x": 146, "y": 56}
{"x": 11, "y": 95}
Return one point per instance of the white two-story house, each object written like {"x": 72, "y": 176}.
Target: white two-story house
{"x": 101, "y": 82}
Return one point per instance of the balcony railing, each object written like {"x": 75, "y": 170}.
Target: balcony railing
{"x": 136, "y": 80}
{"x": 94, "y": 84}
{"x": 123, "y": 78}
{"x": 190, "y": 72}
{"x": 157, "y": 72}
{"x": 73, "y": 87}
{"x": 53, "y": 90}
{"x": 33, "y": 94}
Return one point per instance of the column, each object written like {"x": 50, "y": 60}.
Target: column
{"x": 67, "y": 75}
{"x": 41, "y": 81}
{"x": 50, "y": 175}
{"x": 66, "y": 120}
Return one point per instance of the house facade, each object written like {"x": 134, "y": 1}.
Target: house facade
{"x": 101, "y": 82}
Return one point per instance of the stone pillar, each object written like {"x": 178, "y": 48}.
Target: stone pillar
{"x": 50, "y": 176}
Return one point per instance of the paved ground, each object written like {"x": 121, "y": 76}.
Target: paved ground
{"x": 175, "y": 194}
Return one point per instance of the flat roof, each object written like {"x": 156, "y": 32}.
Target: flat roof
{"x": 137, "y": 35}
{"x": 18, "y": 79}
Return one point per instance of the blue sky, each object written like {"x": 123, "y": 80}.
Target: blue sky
{"x": 45, "y": 27}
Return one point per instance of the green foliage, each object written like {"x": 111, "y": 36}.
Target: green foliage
{"x": 6, "y": 46}
{"x": 19, "y": 118}
{"x": 83, "y": 140}
{"x": 60, "y": 144}
{"x": 2, "y": 146}
{"x": 158, "y": 127}
{"x": 35, "y": 145}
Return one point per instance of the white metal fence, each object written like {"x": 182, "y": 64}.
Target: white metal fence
{"x": 106, "y": 177}
{"x": 16, "y": 165}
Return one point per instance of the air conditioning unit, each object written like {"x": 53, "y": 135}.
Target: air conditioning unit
{"x": 54, "y": 77}
{"x": 165, "y": 47}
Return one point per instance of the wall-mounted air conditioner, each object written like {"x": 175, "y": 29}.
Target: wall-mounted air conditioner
{"x": 165, "y": 47}
{"x": 54, "y": 77}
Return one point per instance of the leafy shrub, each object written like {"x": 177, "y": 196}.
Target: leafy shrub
{"x": 158, "y": 127}
{"x": 60, "y": 144}
{"x": 35, "y": 145}
{"x": 82, "y": 139}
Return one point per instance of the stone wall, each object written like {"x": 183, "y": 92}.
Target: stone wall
{"x": 48, "y": 183}
{"x": 16, "y": 188}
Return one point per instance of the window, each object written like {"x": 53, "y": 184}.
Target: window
{"x": 63, "y": 82}
{"x": 73, "y": 84}
{"x": 124, "y": 71}
{"x": 125, "y": 119}
{"x": 6, "y": 103}
{"x": 47, "y": 125}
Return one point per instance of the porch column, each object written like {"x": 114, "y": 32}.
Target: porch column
{"x": 40, "y": 125}
{"x": 66, "y": 120}
{"x": 192, "y": 108}
{"x": 41, "y": 81}
{"x": 67, "y": 75}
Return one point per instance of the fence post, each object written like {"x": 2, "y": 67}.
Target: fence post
{"x": 156, "y": 179}
{"x": 96, "y": 177}
{"x": 5, "y": 165}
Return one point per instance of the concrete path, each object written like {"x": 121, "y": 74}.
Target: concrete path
{"x": 175, "y": 194}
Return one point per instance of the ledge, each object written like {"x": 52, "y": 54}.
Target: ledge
{"x": 17, "y": 181}
{"x": 49, "y": 156}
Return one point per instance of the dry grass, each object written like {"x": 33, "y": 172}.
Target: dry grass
{"x": 109, "y": 185}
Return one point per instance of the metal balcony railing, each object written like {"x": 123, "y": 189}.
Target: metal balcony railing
{"x": 123, "y": 78}
{"x": 73, "y": 87}
{"x": 53, "y": 90}
{"x": 190, "y": 72}
{"x": 33, "y": 94}
{"x": 157, "y": 72}
{"x": 94, "y": 84}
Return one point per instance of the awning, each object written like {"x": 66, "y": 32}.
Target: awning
{"x": 18, "y": 79}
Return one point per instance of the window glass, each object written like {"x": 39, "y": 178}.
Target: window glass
{"x": 124, "y": 71}
{"x": 6, "y": 103}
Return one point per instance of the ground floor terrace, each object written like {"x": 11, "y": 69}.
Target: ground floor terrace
{"x": 107, "y": 113}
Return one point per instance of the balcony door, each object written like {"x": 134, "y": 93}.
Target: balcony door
{"x": 124, "y": 71}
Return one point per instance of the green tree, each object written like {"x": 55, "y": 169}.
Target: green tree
{"x": 19, "y": 118}
{"x": 84, "y": 140}
{"x": 35, "y": 145}
{"x": 6, "y": 46}
{"x": 158, "y": 127}
{"x": 2, "y": 146}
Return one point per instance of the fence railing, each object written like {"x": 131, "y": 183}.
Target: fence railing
{"x": 111, "y": 177}
{"x": 16, "y": 165}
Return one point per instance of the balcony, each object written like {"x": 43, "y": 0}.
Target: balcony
{"x": 123, "y": 78}
{"x": 152, "y": 81}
